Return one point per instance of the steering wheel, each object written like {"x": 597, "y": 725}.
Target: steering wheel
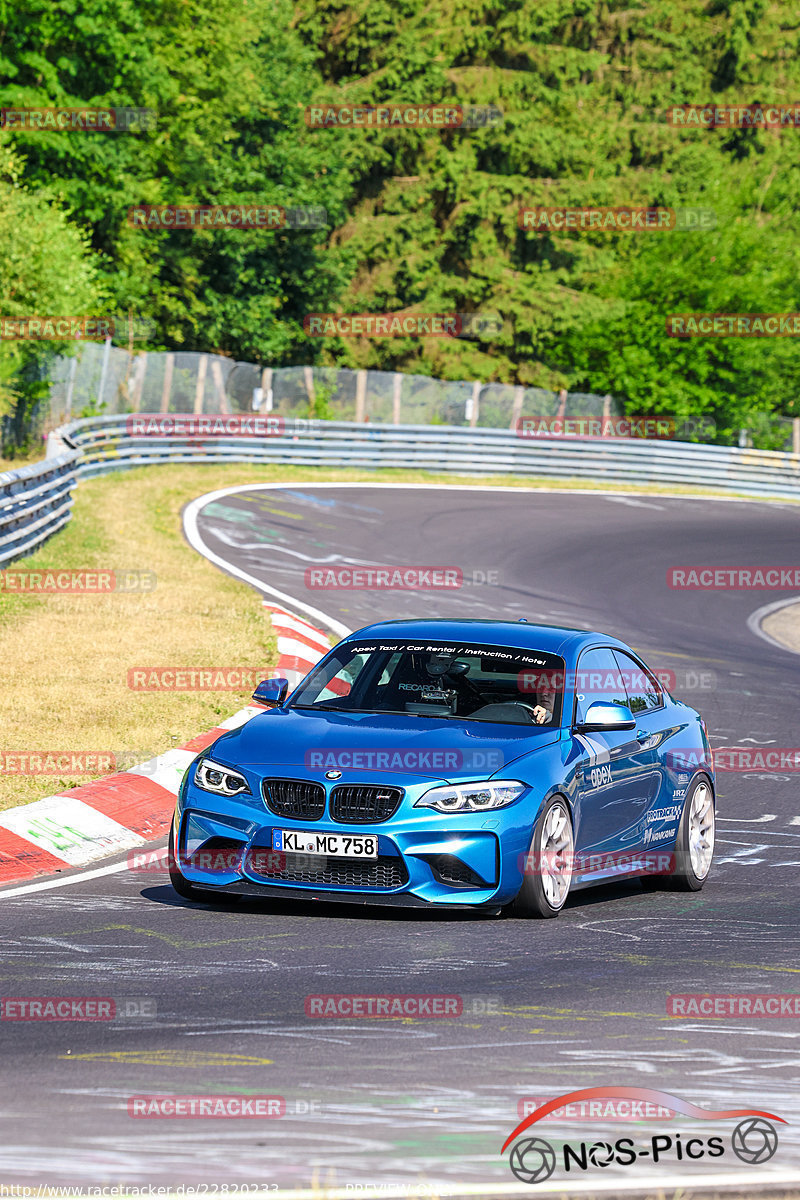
{"x": 529, "y": 708}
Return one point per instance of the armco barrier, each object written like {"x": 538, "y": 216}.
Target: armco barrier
{"x": 35, "y": 502}
{"x": 106, "y": 445}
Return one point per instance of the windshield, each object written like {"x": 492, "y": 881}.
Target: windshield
{"x": 445, "y": 681}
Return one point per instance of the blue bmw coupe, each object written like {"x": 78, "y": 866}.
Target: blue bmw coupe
{"x": 489, "y": 764}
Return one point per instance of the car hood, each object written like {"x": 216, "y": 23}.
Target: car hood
{"x": 361, "y": 744}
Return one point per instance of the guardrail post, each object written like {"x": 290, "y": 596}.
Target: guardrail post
{"x": 476, "y": 395}
{"x": 516, "y": 408}
{"x": 202, "y": 367}
{"x": 219, "y": 384}
{"x": 562, "y": 404}
{"x": 397, "y": 386}
{"x": 166, "y": 390}
{"x": 73, "y": 367}
{"x": 103, "y": 372}
{"x": 308, "y": 375}
{"x": 361, "y": 395}
{"x": 139, "y": 368}
{"x": 795, "y": 435}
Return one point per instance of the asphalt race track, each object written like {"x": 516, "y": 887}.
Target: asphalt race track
{"x": 581, "y": 1000}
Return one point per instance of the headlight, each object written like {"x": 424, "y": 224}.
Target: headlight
{"x": 472, "y": 797}
{"x": 212, "y": 777}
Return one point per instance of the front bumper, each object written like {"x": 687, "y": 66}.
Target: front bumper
{"x": 424, "y": 858}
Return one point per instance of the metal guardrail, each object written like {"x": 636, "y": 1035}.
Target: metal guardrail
{"x": 35, "y": 502}
{"x": 106, "y": 445}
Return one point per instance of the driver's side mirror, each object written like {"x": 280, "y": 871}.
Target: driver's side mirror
{"x": 272, "y": 692}
{"x": 603, "y": 718}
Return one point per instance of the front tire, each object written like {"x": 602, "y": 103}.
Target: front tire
{"x": 548, "y": 865}
{"x": 181, "y": 885}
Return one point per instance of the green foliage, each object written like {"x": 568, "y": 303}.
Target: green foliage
{"x": 47, "y": 269}
{"x": 427, "y": 221}
{"x": 227, "y": 83}
{"x": 584, "y": 88}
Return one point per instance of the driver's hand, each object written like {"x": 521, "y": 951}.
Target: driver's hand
{"x": 540, "y": 714}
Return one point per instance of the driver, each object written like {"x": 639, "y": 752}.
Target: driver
{"x": 448, "y": 670}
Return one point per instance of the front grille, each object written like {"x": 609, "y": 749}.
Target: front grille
{"x": 364, "y": 804}
{"x": 295, "y": 798}
{"x": 382, "y": 873}
{"x": 451, "y": 870}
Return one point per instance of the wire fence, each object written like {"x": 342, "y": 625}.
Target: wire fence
{"x": 106, "y": 380}
{"x": 101, "y": 379}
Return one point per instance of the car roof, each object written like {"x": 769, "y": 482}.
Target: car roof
{"x": 523, "y": 635}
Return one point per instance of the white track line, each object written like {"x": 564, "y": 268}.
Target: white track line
{"x": 46, "y": 884}
{"x": 755, "y": 619}
{"x": 192, "y": 533}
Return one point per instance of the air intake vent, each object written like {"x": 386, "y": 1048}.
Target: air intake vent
{"x": 381, "y": 874}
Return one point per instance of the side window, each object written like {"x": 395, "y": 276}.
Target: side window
{"x": 644, "y": 694}
{"x": 598, "y": 678}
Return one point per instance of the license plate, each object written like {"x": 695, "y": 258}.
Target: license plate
{"x": 334, "y": 845}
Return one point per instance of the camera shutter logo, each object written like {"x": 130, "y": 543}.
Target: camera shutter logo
{"x": 754, "y": 1140}
{"x": 532, "y": 1160}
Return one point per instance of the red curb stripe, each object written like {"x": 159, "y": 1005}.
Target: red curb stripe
{"x": 134, "y": 801}
{"x": 20, "y": 859}
{"x": 203, "y": 739}
{"x": 283, "y": 612}
{"x": 301, "y": 638}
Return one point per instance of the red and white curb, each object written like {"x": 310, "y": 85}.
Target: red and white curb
{"x": 123, "y": 811}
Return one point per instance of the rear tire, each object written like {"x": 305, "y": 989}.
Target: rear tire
{"x": 548, "y": 876}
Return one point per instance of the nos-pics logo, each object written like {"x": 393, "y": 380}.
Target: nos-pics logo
{"x": 533, "y": 1159}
